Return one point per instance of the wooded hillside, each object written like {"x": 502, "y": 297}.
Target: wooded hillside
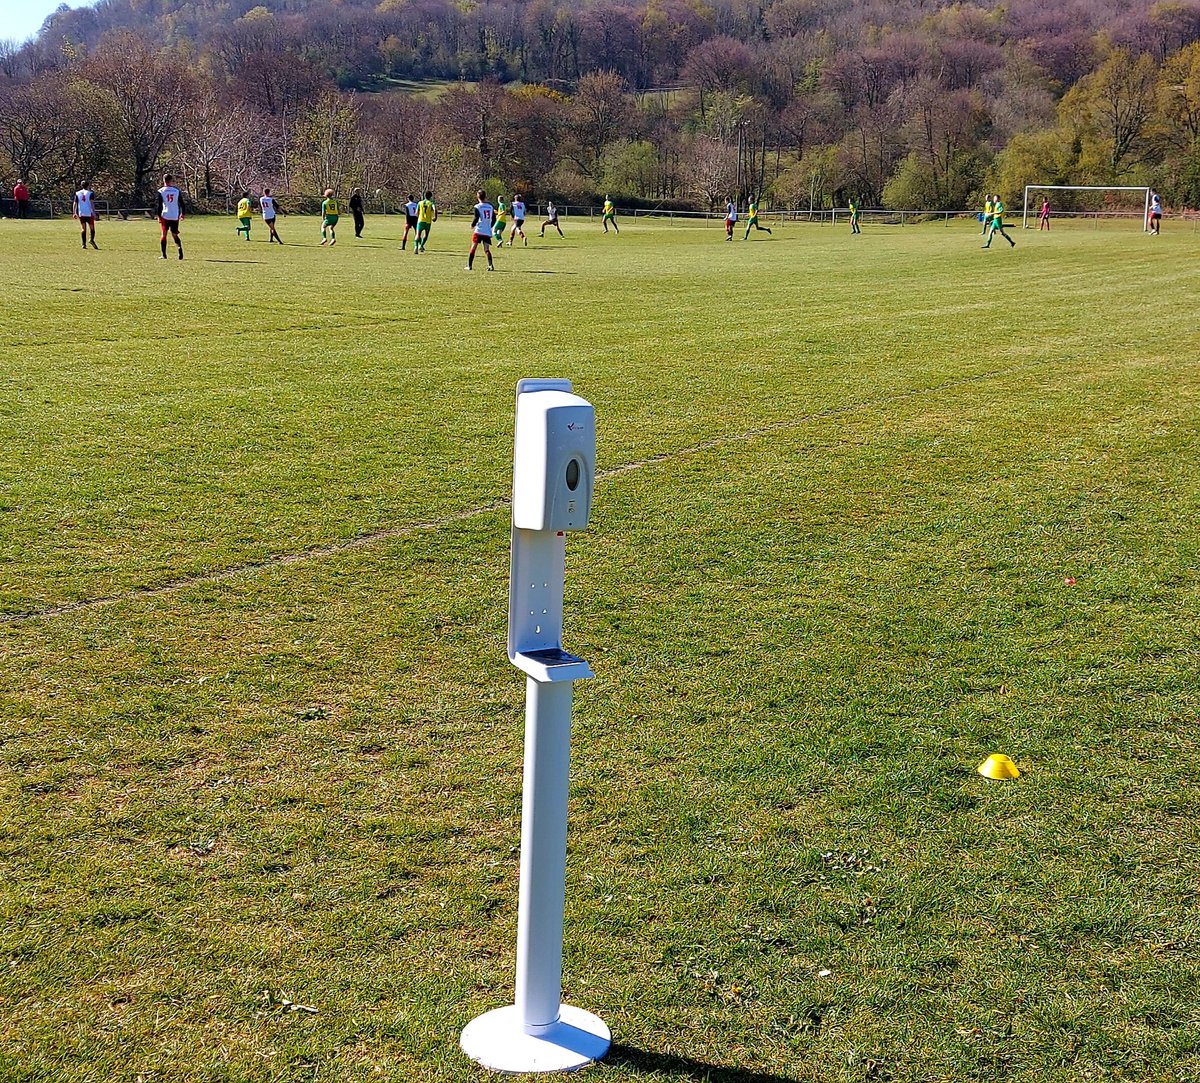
{"x": 911, "y": 103}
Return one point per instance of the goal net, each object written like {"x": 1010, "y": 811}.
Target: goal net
{"x": 1094, "y": 199}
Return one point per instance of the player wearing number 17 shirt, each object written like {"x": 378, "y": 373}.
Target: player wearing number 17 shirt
{"x": 481, "y": 230}
{"x": 170, "y": 214}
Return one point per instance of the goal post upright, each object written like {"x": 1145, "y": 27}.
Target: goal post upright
{"x": 1086, "y": 188}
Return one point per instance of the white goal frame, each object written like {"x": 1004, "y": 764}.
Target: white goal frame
{"x": 1086, "y": 188}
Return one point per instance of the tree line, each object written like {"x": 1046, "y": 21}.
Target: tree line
{"x": 805, "y": 103}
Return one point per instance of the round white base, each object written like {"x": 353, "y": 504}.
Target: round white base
{"x": 497, "y": 1040}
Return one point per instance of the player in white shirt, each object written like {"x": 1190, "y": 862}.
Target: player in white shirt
{"x": 518, "y": 213}
{"x": 266, "y": 204}
{"x": 170, "y": 214}
{"x": 410, "y": 220}
{"x": 83, "y": 207}
{"x": 551, "y": 219}
{"x": 481, "y": 230}
{"x": 1155, "y": 214}
{"x": 730, "y": 219}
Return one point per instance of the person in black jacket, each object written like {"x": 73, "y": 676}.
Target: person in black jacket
{"x": 356, "y": 209}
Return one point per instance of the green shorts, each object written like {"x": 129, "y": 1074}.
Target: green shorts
{"x": 610, "y": 217}
{"x": 330, "y": 220}
{"x": 423, "y": 229}
{"x": 245, "y": 223}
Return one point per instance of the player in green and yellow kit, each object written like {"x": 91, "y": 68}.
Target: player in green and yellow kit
{"x": 329, "y": 217}
{"x": 243, "y": 215}
{"x": 426, "y": 216}
{"x": 854, "y": 218}
{"x": 998, "y": 224}
{"x": 752, "y": 221}
{"x": 501, "y": 222}
{"x": 610, "y": 215}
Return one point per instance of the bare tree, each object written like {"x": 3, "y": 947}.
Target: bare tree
{"x": 600, "y": 112}
{"x": 210, "y": 132}
{"x": 60, "y": 131}
{"x": 152, "y": 94}
{"x": 712, "y": 169}
{"x": 718, "y": 64}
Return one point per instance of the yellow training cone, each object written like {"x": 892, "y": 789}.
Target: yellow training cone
{"x": 999, "y": 766}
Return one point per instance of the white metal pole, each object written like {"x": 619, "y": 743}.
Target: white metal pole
{"x": 1025, "y": 209}
{"x": 554, "y": 458}
{"x": 543, "y": 853}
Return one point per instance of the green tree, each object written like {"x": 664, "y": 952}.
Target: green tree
{"x": 630, "y": 169}
{"x": 326, "y": 150}
{"x": 1179, "y": 126}
{"x": 810, "y": 182}
{"x": 1048, "y": 157}
{"x": 1109, "y": 112}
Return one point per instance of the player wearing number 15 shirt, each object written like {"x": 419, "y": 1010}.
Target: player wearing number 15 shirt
{"x": 170, "y": 214}
{"x": 481, "y": 227}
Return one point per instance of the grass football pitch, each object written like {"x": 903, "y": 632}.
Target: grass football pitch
{"x": 869, "y": 509}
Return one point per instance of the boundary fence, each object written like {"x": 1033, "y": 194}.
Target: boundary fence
{"x": 45, "y": 208}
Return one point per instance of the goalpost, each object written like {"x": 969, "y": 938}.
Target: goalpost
{"x": 1086, "y": 188}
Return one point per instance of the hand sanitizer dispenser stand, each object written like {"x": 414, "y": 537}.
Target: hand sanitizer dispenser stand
{"x": 554, "y": 467}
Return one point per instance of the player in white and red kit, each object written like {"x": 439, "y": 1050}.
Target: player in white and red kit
{"x": 266, "y": 204}
{"x": 481, "y": 230}
{"x": 170, "y": 214}
{"x": 518, "y": 213}
{"x": 83, "y": 207}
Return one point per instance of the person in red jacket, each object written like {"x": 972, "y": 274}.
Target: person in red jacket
{"x": 21, "y": 195}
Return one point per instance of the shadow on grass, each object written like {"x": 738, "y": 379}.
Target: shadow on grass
{"x": 462, "y": 253}
{"x": 210, "y": 260}
{"x": 685, "y": 1068}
